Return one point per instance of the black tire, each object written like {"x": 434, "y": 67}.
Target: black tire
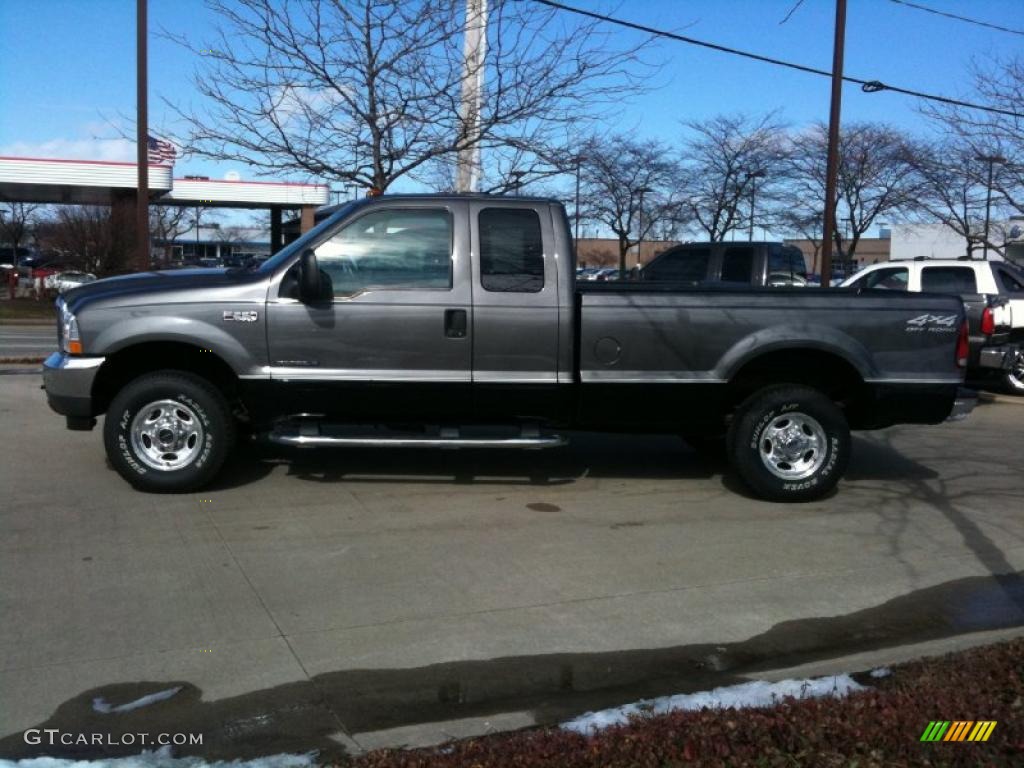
{"x": 767, "y": 410}
{"x": 1013, "y": 380}
{"x": 209, "y": 423}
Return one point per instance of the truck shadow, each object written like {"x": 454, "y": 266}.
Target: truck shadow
{"x": 305, "y": 715}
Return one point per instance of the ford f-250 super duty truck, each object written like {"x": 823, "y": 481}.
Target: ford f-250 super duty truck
{"x": 455, "y": 321}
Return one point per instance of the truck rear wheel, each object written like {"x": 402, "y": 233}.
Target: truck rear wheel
{"x": 789, "y": 443}
{"x": 168, "y": 431}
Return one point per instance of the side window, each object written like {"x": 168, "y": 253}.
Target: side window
{"x": 889, "y": 279}
{"x": 956, "y": 280}
{"x": 1010, "y": 282}
{"x": 511, "y": 250}
{"x": 780, "y": 268}
{"x": 683, "y": 265}
{"x": 737, "y": 264}
{"x": 401, "y": 249}
{"x": 797, "y": 263}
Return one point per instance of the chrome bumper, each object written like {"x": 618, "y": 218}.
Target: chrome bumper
{"x": 998, "y": 358}
{"x": 68, "y": 383}
{"x": 965, "y": 401}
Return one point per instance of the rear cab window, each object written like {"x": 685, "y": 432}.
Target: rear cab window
{"x": 1009, "y": 281}
{"x": 738, "y": 264}
{"x": 955, "y": 280}
{"x": 511, "y": 250}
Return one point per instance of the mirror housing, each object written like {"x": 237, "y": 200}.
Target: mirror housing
{"x": 309, "y": 277}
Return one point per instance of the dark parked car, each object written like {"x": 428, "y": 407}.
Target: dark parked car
{"x": 761, "y": 264}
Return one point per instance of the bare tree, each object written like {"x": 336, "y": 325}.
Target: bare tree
{"x": 92, "y": 238}
{"x": 169, "y": 222}
{"x": 627, "y": 186}
{"x": 877, "y": 178}
{"x": 722, "y": 159}
{"x": 954, "y": 190}
{"x": 16, "y": 223}
{"x": 987, "y": 134}
{"x": 367, "y": 91}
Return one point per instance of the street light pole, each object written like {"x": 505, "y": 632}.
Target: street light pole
{"x": 579, "y": 163}
{"x": 640, "y": 228}
{"x": 141, "y": 139}
{"x": 991, "y": 160}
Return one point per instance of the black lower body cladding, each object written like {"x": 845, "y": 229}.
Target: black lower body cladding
{"x": 789, "y": 443}
{"x": 168, "y": 431}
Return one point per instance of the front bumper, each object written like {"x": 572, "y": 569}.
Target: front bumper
{"x": 68, "y": 383}
{"x": 965, "y": 401}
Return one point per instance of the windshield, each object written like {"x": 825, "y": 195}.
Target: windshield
{"x": 307, "y": 240}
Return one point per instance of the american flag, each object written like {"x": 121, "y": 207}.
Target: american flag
{"x": 160, "y": 151}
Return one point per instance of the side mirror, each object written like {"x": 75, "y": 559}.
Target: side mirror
{"x": 309, "y": 277}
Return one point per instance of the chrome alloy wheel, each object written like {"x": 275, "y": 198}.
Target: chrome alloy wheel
{"x": 1015, "y": 376}
{"x": 793, "y": 446}
{"x": 166, "y": 435}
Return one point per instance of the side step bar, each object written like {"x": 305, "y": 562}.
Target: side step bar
{"x": 309, "y": 434}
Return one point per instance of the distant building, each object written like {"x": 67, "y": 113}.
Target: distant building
{"x": 870, "y": 250}
{"x": 937, "y": 241}
{"x": 214, "y": 241}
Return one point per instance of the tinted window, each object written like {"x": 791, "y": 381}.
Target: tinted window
{"x": 511, "y": 250}
{"x": 690, "y": 265}
{"x": 797, "y": 263}
{"x": 948, "y": 280}
{"x": 390, "y": 250}
{"x": 1010, "y": 282}
{"x": 785, "y": 267}
{"x": 890, "y": 279}
{"x": 737, "y": 265}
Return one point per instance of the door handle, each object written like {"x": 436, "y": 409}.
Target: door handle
{"x": 455, "y": 323}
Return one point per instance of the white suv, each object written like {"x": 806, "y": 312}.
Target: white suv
{"x": 961, "y": 277}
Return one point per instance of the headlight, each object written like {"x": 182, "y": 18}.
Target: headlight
{"x": 70, "y": 340}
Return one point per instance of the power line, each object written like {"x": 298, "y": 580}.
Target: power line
{"x": 791, "y": 12}
{"x": 937, "y": 12}
{"x": 868, "y": 86}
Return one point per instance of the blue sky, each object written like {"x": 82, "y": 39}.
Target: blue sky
{"x": 68, "y": 65}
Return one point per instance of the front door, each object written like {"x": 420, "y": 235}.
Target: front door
{"x": 394, "y": 336}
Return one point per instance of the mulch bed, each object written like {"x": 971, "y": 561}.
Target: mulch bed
{"x": 879, "y": 727}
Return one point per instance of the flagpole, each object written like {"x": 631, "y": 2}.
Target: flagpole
{"x": 142, "y": 141}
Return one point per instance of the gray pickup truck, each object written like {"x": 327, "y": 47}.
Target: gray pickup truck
{"x": 455, "y": 321}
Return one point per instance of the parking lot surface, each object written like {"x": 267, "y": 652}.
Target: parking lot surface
{"x": 328, "y": 600}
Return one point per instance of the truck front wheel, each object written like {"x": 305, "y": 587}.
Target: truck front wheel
{"x": 789, "y": 443}
{"x": 168, "y": 431}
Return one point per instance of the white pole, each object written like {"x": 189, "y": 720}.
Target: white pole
{"x": 474, "y": 51}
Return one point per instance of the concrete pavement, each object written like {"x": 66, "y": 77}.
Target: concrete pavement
{"x": 343, "y": 600}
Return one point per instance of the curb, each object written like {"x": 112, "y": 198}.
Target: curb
{"x": 21, "y": 360}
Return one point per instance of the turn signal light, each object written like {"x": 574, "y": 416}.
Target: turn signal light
{"x": 75, "y": 347}
{"x": 988, "y": 322}
{"x": 963, "y": 346}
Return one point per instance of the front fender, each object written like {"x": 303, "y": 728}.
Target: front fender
{"x": 242, "y": 345}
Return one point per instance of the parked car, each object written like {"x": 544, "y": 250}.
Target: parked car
{"x": 761, "y": 264}
{"x": 993, "y": 292}
{"x": 461, "y": 311}
{"x": 62, "y": 282}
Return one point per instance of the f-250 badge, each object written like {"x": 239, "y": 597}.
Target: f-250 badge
{"x": 249, "y": 316}
{"x": 932, "y": 323}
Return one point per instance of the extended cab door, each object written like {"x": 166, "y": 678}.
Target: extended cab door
{"x": 394, "y": 335}
{"x": 515, "y": 311}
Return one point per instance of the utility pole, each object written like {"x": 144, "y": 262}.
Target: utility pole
{"x": 141, "y": 139}
{"x": 832, "y": 162}
{"x": 753, "y": 176}
{"x": 474, "y": 52}
{"x": 991, "y": 160}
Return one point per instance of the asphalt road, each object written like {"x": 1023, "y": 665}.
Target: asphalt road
{"x": 345, "y": 600}
{"x": 27, "y": 340}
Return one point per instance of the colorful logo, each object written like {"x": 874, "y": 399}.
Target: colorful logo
{"x": 958, "y": 730}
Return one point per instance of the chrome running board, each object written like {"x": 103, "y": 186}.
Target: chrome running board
{"x": 309, "y": 434}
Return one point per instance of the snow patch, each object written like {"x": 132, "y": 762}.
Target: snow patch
{"x": 100, "y": 704}
{"x": 880, "y": 672}
{"x": 162, "y": 758}
{"x": 753, "y": 694}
